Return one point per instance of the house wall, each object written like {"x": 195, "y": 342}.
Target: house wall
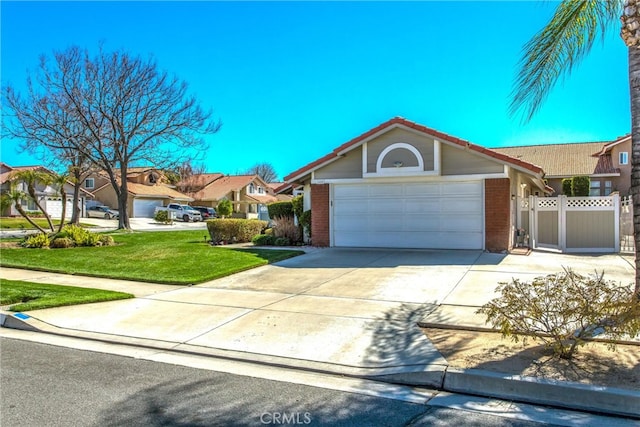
{"x": 458, "y": 161}
{"x": 107, "y": 196}
{"x": 423, "y": 144}
{"x": 497, "y": 214}
{"x": 320, "y": 217}
{"x": 622, "y": 183}
{"x": 350, "y": 166}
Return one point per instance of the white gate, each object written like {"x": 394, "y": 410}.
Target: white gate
{"x": 575, "y": 224}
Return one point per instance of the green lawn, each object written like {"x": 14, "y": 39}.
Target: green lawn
{"x": 19, "y": 223}
{"x": 172, "y": 257}
{"x": 32, "y": 296}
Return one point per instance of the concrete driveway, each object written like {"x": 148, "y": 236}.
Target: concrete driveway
{"x": 347, "y": 310}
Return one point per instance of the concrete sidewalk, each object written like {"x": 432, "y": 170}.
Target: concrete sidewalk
{"x": 346, "y": 311}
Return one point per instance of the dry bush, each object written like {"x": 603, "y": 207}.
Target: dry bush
{"x": 564, "y": 310}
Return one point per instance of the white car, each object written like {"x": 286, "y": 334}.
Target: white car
{"x": 102, "y": 212}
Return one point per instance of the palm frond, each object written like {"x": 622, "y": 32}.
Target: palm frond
{"x": 557, "y": 48}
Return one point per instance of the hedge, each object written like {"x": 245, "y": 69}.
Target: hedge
{"x": 280, "y": 210}
{"x": 580, "y": 186}
{"x": 234, "y": 230}
{"x": 566, "y": 187}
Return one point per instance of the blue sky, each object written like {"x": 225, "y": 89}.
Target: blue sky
{"x": 290, "y": 81}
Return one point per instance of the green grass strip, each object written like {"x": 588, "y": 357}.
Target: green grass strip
{"x": 25, "y": 296}
{"x": 170, "y": 257}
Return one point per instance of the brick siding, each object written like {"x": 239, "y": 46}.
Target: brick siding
{"x": 497, "y": 214}
{"x": 320, "y": 215}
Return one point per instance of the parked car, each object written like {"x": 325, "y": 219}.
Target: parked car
{"x": 102, "y": 212}
{"x": 184, "y": 212}
{"x": 205, "y": 211}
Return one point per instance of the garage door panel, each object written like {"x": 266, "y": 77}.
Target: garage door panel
{"x": 439, "y": 215}
{"x": 422, "y": 206}
{"x": 422, "y": 190}
{"x": 145, "y": 208}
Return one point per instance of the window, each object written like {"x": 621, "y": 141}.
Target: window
{"x": 252, "y": 188}
{"x": 260, "y": 190}
{"x": 89, "y": 183}
{"x": 31, "y": 205}
{"x": 595, "y": 188}
{"x": 608, "y": 187}
{"x": 624, "y": 158}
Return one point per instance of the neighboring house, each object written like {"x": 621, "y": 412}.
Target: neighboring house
{"x": 607, "y": 164}
{"x": 249, "y": 194}
{"x": 147, "y": 188}
{"x": 49, "y": 197}
{"x": 405, "y": 185}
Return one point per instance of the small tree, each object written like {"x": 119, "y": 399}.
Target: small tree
{"x": 14, "y": 197}
{"x": 564, "y": 310}
{"x": 266, "y": 171}
{"x": 224, "y": 208}
{"x": 566, "y": 187}
{"x": 580, "y": 186}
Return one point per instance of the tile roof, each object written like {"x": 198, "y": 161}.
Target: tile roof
{"x": 400, "y": 121}
{"x": 223, "y": 186}
{"x": 158, "y": 190}
{"x": 199, "y": 180}
{"x": 559, "y": 160}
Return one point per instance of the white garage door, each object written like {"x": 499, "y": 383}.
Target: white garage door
{"x": 54, "y": 208}
{"x": 145, "y": 208}
{"x": 438, "y": 215}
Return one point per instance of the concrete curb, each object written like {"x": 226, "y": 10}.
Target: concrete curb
{"x": 563, "y": 394}
{"x": 598, "y": 399}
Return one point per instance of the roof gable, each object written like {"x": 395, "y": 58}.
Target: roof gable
{"x": 399, "y": 122}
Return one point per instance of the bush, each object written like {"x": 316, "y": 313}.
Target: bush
{"x": 61, "y": 243}
{"x": 81, "y": 237}
{"x": 305, "y": 221}
{"x": 566, "y": 187}
{"x": 563, "y": 310}
{"x": 106, "y": 240}
{"x": 234, "y": 230}
{"x": 297, "y": 205}
{"x": 36, "y": 241}
{"x": 580, "y": 186}
{"x": 163, "y": 217}
{"x": 282, "y": 241}
{"x": 224, "y": 208}
{"x": 286, "y": 227}
{"x": 268, "y": 231}
{"x": 280, "y": 210}
{"x": 262, "y": 240}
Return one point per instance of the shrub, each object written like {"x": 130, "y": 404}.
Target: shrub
{"x": 563, "y": 310}
{"x": 234, "y": 229}
{"x": 305, "y": 221}
{"x": 224, "y": 208}
{"x": 40, "y": 240}
{"x": 580, "y": 186}
{"x": 286, "y": 227}
{"x": 268, "y": 231}
{"x": 282, "y": 241}
{"x": 566, "y": 187}
{"x": 163, "y": 217}
{"x": 280, "y": 210}
{"x": 61, "y": 243}
{"x": 297, "y": 205}
{"x": 80, "y": 236}
{"x": 106, "y": 240}
{"x": 262, "y": 240}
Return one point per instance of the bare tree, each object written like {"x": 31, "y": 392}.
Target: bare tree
{"x": 266, "y": 171}
{"x": 120, "y": 110}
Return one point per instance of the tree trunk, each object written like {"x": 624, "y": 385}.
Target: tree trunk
{"x": 123, "y": 201}
{"x": 634, "y": 88}
{"x": 75, "y": 213}
{"x": 21, "y": 211}
{"x": 63, "y": 215}
{"x": 31, "y": 189}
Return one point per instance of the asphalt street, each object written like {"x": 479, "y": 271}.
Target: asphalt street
{"x": 47, "y": 385}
